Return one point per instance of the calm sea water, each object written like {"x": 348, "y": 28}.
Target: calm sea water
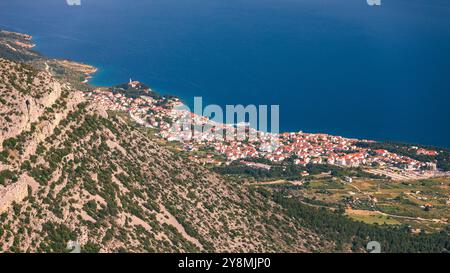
{"x": 334, "y": 66}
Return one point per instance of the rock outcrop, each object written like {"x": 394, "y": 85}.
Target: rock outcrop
{"x": 96, "y": 176}
{"x": 13, "y": 193}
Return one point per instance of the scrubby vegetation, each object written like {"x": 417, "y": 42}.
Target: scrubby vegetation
{"x": 99, "y": 179}
{"x": 91, "y": 176}
{"x": 289, "y": 171}
{"x": 355, "y": 235}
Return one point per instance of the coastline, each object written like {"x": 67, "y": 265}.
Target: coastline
{"x": 118, "y": 166}
{"x": 86, "y": 69}
{"x": 89, "y": 72}
{"x": 310, "y": 100}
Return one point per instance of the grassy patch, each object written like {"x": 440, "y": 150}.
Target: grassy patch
{"x": 374, "y": 219}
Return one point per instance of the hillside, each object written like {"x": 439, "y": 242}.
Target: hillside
{"x": 97, "y": 165}
{"x": 71, "y": 170}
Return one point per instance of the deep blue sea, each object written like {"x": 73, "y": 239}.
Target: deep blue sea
{"x": 334, "y": 66}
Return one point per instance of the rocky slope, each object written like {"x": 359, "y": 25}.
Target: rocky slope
{"x": 71, "y": 170}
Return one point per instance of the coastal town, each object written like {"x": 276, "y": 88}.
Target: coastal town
{"x": 126, "y": 169}
{"x": 165, "y": 115}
